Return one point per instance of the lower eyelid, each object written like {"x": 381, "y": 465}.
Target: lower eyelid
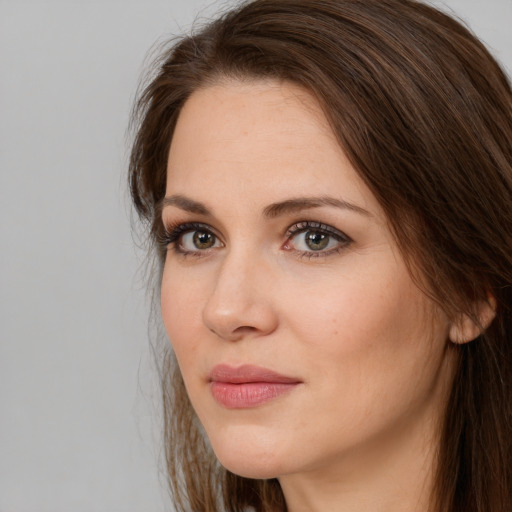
{"x": 320, "y": 254}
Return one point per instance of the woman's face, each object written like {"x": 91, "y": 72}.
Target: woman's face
{"x": 303, "y": 342}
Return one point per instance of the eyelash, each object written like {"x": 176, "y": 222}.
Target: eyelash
{"x": 172, "y": 234}
{"x": 318, "y": 227}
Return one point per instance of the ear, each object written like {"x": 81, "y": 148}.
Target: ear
{"x": 465, "y": 329}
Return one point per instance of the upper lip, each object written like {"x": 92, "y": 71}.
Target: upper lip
{"x": 248, "y": 373}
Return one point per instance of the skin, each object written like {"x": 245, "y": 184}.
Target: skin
{"x": 370, "y": 349}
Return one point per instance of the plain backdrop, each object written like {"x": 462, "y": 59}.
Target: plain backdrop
{"x": 78, "y": 424}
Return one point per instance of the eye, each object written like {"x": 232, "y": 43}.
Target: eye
{"x": 315, "y": 239}
{"x": 198, "y": 240}
{"x": 190, "y": 238}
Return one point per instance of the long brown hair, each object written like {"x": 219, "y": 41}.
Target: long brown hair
{"x": 424, "y": 113}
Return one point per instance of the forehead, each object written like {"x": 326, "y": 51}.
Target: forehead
{"x": 261, "y": 140}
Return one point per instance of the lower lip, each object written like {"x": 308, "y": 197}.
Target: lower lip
{"x": 249, "y": 394}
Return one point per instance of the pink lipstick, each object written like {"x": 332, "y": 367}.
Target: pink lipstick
{"x": 247, "y": 386}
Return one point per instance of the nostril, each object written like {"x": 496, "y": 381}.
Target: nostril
{"x": 235, "y": 334}
{"x": 244, "y": 329}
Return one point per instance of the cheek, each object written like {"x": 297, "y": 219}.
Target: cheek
{"x": 372, "y": 330}
{"x": 181, "y": 312}
{"x": 349, "y": 312}
{"x": 373, "y": 353}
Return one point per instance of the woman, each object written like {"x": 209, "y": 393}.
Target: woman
{"x": 328, "y": 187}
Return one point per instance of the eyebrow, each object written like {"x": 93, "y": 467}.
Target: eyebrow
{"x": 305, "y": 203}
{"x": 184, "y": 203}
{"x": 271, "y": 211}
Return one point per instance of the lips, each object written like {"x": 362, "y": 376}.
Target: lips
{"x": 248, "y": 386}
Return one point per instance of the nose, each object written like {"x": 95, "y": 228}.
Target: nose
{"x": 241, "y": 302}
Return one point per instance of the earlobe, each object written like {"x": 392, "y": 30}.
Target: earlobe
{"x": 465, "y": 328}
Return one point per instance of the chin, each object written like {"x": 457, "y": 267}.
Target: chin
{"x": 249, "y": 467}
{"x": 243, "y": 456}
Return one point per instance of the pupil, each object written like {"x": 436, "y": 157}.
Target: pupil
{"x": 203, "y": 240}
{"x": 316, "y": 241}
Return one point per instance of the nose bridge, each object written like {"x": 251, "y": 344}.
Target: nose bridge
{"x": 239, "y": 304}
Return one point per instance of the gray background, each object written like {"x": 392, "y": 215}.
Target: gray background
{"x": 77, "y": 397}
